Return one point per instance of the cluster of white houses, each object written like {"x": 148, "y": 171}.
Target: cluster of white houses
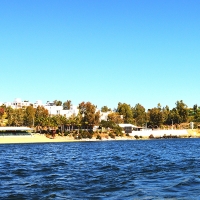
{"x": 52, "y": 109}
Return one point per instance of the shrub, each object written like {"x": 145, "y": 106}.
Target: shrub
{"x": 74, "y": 135}
{"x": 136, "y": 137}
{"x": 151, "y": 136}
{"x": 57, "y": 131}
{"x": 98, "y": 137}
{"x": 121, "y": 134}
{"x": 44, "y": 132}
{"x": 118, "y": 130}
{"x": 90, "y": 135}
{"x": 66, "y": 133}
{"x": 79, "y": 136}
{"x": 112, "y": 135}
{"x": 84, "y": 134}
{"x": 91, "y": 131}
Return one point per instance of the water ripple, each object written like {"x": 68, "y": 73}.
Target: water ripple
{"x": 155, "y": 169}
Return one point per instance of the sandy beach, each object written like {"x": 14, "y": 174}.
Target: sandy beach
{"x": 36, "y": 138}
{"x": 40, "y": 138}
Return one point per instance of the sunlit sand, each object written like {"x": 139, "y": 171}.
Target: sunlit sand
{"x": 36, "y": 138}
{"x": 40, "y": 138}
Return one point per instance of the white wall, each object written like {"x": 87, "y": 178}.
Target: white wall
{"x": 159, "y": 133}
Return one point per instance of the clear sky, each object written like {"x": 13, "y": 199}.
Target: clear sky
{"x": 102, "y": 51}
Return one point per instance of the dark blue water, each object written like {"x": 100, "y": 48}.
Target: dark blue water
{"x": 153, "y": 169}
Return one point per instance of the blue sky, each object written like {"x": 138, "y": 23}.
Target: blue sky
{"x": 102, "y": 51}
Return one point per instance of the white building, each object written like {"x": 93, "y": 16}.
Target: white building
{"x": 104, "y": 115}
{"x": 58, "y": 110}
{"x": 37, "y": 103}
{"x": 52, "y": 109}
{"x": 17, "y": 103}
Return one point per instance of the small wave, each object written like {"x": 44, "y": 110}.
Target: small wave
{"x": 187, "y": 182}
{"x": 110, "y": 170}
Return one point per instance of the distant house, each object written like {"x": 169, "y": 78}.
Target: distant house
{"x": 37, "y": 103}
{"x": 104, "y": 115}
{"x": 58, "y": 110}
{"x": 128, "y": 128}
{"x": 52, "y": 108}
{"x": 17, "y": 103}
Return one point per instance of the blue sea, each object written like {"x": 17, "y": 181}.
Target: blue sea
{"x": 138, "y": 169}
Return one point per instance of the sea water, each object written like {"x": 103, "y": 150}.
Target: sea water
{"x": 138, "y": 169}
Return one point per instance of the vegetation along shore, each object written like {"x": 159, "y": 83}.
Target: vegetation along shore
{"x": 88, "y": 124}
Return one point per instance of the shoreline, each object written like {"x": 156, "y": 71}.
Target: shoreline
{"x": 43, "y": 139}
{"x": 40, "y": 138}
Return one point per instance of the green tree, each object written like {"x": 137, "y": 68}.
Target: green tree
{"x": 41, "y": 116}
{"x": 115, "y": 127}
{"x": 115, "y": 118}
{"x": 55, "y": 121}
{"x": 18, "y": 117}
{"x": 195, "y": 109}
{"x": 66, "y": 105}
{"x": 155, "y": 117}
{"x": 197, "y": 116}
{"x": 182, "y": 111}
{"x": 29, "y": 116}
{"x": 14, "y": 116}
{"x": 125, "y": 110}
{"x": 105, "y": 109}
{"x": 107, "y": 124}
{"x": 166, "y": 112}
{"x": 78, "y": 120}
{"x": 173, "y": 117}
{"x": 57, "y": 103}
{"x": 9, "y": 115}
{"x": 72, "y": 121}
{"x": 89, "y": 115}
{"x": 139, "y": 115}
{"x": 67, "y": 123}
